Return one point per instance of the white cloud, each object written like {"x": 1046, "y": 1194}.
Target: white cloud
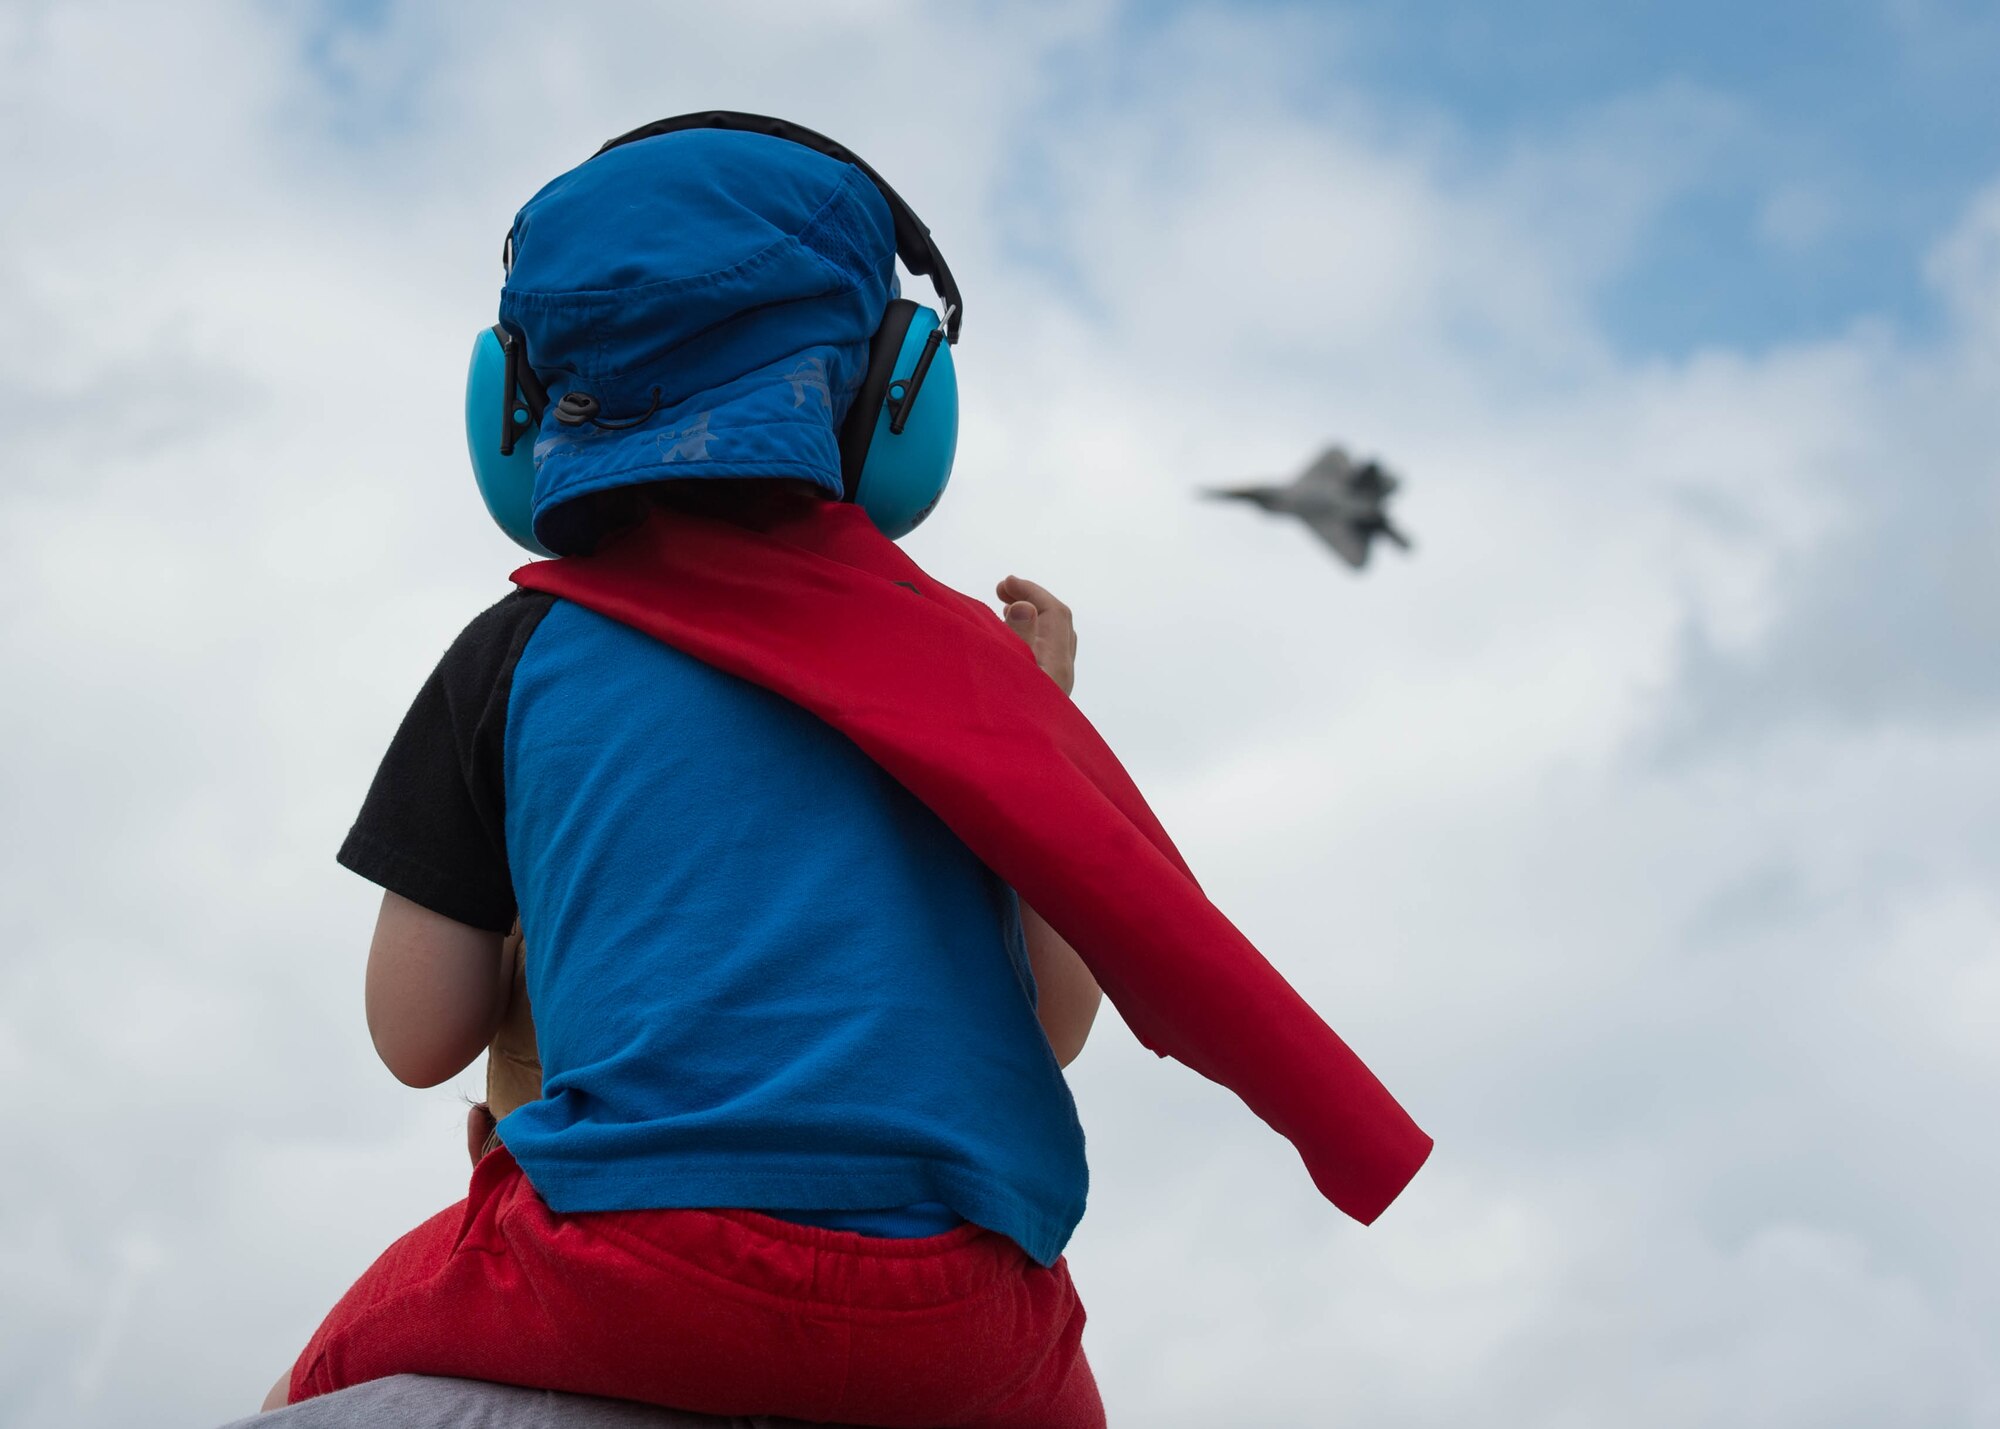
{"x": 1638, "y": 829}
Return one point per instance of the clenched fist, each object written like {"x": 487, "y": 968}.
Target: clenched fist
{"x": 1046, "y": 624}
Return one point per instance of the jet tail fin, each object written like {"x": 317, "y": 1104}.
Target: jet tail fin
{"x": 1347, "y": 539}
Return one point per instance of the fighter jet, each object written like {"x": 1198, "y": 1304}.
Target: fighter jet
{"x": 1342, "y": 501}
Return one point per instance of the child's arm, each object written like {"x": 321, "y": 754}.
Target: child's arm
{"x": 1066, "y": 995}
{"x": 437, "y": 989}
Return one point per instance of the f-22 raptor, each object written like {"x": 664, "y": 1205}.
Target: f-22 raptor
{"x": 1344, "y": 502}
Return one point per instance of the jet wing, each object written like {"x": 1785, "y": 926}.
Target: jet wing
{"x": 1331, "y": 470}
{"x": 1343, "y": 535}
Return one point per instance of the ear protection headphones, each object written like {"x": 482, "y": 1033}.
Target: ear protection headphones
{"x": 895, "y": 452}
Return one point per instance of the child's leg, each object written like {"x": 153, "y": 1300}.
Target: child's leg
{"x": 280, "y": 1395}
{"x": 376, "y": 1329}
{"x": 719, "y": 1312}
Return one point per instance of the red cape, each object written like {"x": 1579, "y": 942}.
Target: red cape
{"x": 932, "y": 686}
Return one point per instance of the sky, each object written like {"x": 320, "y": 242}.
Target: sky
{"x": 1639, "y": 828}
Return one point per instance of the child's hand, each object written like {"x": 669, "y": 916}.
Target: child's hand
{"x": 1045, "y": 623}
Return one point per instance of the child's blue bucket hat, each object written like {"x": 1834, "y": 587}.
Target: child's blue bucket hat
{"x": 699, "y": 304}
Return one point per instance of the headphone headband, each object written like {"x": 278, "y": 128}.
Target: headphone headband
{"x": 914, "y": 244}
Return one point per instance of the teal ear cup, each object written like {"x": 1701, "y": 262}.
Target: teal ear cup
{"x": 506, "y": 480}
{"x": 916, "y": 432}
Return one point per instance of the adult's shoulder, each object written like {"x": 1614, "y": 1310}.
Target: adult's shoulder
{"x": 410, "y": 1401}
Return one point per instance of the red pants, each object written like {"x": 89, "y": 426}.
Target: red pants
{"x": 720, "y": 1312}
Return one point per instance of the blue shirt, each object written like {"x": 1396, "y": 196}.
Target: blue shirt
{"x": 763, "y": 974}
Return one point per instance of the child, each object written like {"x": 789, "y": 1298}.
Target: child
{"x": 760, "y": 792}
{"x": 806, "y": 1148}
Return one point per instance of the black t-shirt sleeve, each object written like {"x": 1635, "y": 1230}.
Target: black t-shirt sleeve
{"x": 433, "y": 827}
